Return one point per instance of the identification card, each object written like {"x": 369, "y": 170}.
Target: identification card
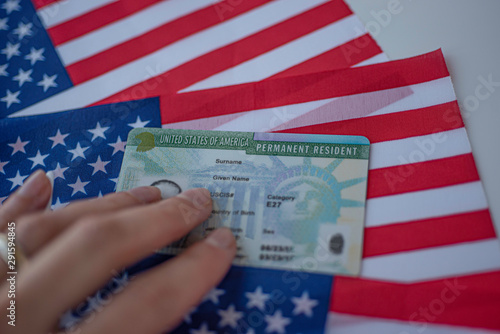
{"x": 293, "y": 201}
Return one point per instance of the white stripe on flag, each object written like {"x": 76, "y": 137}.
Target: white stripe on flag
{"x": 285, "y": 56}
{"x": 262, "y": 120}
{"x": 128, "y": 28}
{"x": 380, "y": 58}
{"x": 62, "y": 11}
{"x": 433, "y": 263}
{"x": 424, "y": 204}
{"x": 431, "y": 93}
{"x": 171, "y": 56}
{"x": 418, "y": 149}
{"x": 340, "y": 323}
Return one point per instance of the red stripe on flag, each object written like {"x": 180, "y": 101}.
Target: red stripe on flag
{"x": 427, "y": 233}
{"x": 236, "y": 53}
{"x": 96, "y": 19}
{"x": 304, "y": 88}
{"x": 346, "y": 55}
{"x": 42, "y": 3}
{"x": 153, "y": 40}
{"x": 422, "y": 176}
{"x": 393, "y": 126}
{"x": 472, "y": 300}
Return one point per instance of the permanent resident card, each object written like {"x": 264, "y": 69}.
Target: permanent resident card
{"x": 293, "y": 201}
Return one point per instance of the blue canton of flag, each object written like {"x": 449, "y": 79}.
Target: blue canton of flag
{"x": 84, "y": 148}
{"x": 254, "y": 301}
{"x": 30, "y": 69}
{"x": 247, "y": 301}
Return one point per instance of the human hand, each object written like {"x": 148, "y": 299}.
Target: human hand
{"x": 75, "y": 250}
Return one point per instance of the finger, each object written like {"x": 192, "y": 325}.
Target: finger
{"x": 84, "y": 257}
{"x": 50, "y": 176}
{"x": 3, "y": 269}
{"x": 37, "y": 230}
{"x": 32, "y": 196}
{"x": 157, "y": 300}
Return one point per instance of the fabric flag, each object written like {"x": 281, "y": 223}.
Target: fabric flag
{"x": 430, "y": 254}
{"x": 431, "y": 257}
{"x": 254, "y": 300}
{"x": 244, "y": 302}
{"x": 68, "y": 54}
{"x": 84, "y": 149}
{"x": 106, "y": 51}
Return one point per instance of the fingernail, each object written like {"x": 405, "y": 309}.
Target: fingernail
{"x": 33, "y": 185}
{"x": 146, "y": 194}
{"x": 221, "y": 238}
{"x": 200, "y": 197}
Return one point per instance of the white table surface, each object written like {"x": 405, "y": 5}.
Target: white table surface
{"x": 468, "y": 31}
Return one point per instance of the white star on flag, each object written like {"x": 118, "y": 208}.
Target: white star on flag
{"x": 2, "y": 165}
{"x": 257, "y": 299}
{"x": 78, "y": 186}
{"x": 11, "y": 50}
{"x": 121, "y": 282}
{"x": 118, "y": 146}
{"x": 35, "y": 55}
{"x": 69, "y": 319}
{"x": 48, "y": 82}
{"x": 99, "y": 165}
{"x": 18, "y": 146}
{"x": 187, "y": 317}
{"x": 229, "y": 317}
{"x": 78, "y": 152}
{"x": 202, "y": 330}
{"x": 3, "y": 23}
{"x": 11, "y": 5}
{"x": 23, "y": 30}
{"x": 93, "y": 303}
{"x": 38, "y": 159}
{"x": 58, "y": 204}
{"x": 276, "y": 322}
{"x": 3, "y": 70}
{"x": 213, "y": 295}
{"x": 304, "y": 304}
{"x": 138, "y": 123}
{"x": 23, "y": 76}
{"x": 58, "y": 139}
{"x": 98, "y": 131}
{"x": 17, "y": 180}
{"x": 10, "y": 98}
{"x": 59, "y": 171}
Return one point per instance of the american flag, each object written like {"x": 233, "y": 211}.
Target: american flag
{"x": 431, "y": 254}
{"x": 30, "y": 69}
{"x": 284, "y": 302}
{"x": 84, "y": 149}
{"x": 109, "y": 51}
{"x": 254, "y": 300}
{"x": 431, "y": 259}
